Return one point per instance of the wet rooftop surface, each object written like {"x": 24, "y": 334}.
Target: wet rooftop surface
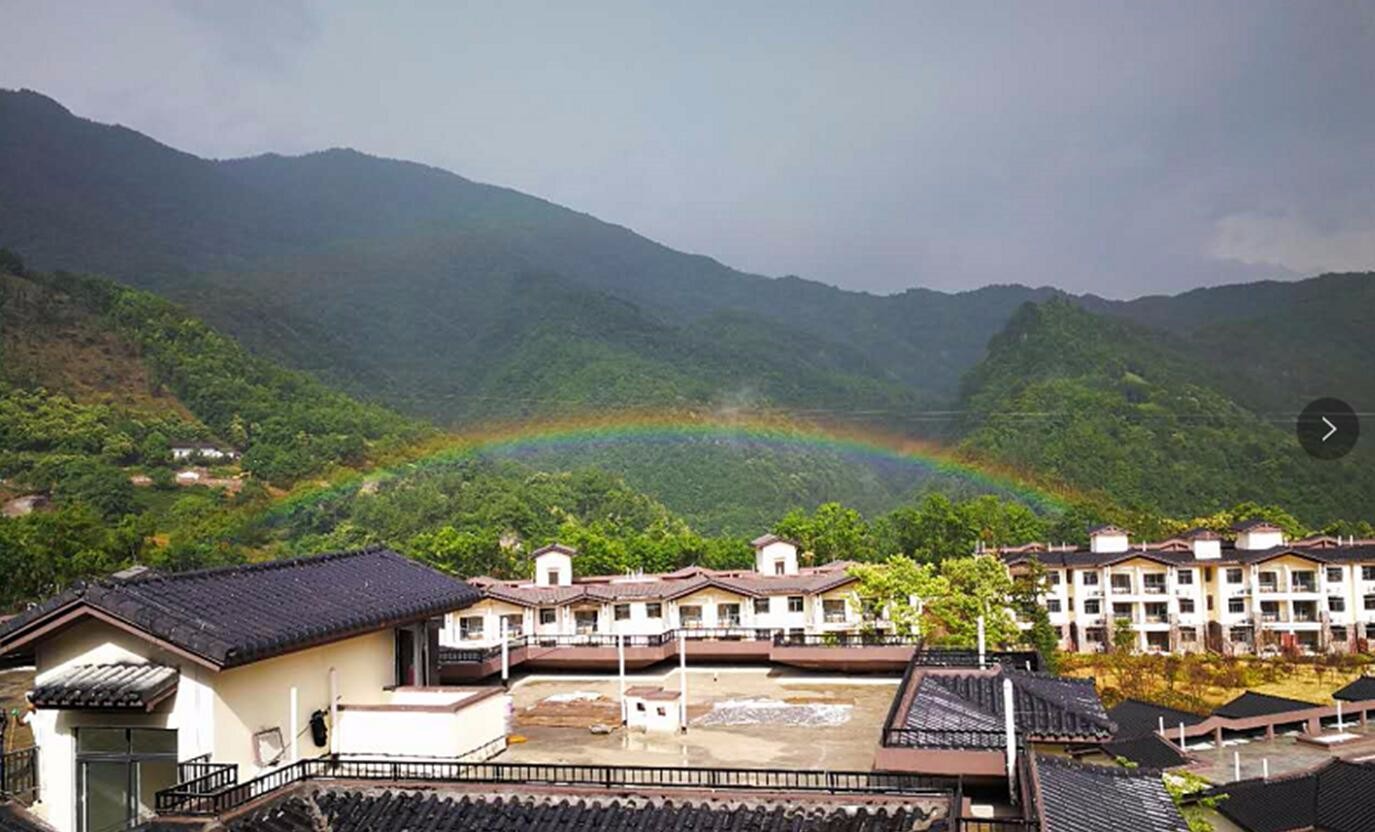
{"x": 1285, "y": 753}
{"x": 751, "y": 718}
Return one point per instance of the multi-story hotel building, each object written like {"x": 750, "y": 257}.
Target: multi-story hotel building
{"x": 1253, "y": 593}
{"x": 778, "y": 596}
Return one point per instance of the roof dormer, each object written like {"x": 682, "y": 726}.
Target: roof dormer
{"x": 1254, "y": 535}
{"x": 774, "y": 556}
{"x": 1205, "y": 543}
{"x": 554, "y": 565}
{"x": 1108, "y": 540}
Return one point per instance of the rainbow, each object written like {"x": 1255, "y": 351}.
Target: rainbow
{"x": 864, "y": 444}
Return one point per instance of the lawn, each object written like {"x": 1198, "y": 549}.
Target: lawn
{"x": 1201, "y": 683}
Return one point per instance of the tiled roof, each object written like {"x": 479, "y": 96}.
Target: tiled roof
{"x": 388, "y": 811}
{"x": 1360, "y": 552}
{"x": 1251, "y": 703}
{"x": 15, "y": 818}
{"x": 1335, "y": 798}
{"x": 1148, "y": 751}
{"x": 238, "y": 614}
{"x": 107, "y": 686}
{"x": 972, "y": 701}
{"x": 1360, "y": 689}
{"x": 1087, "y": 798}
{"x": 674, "y": 585}
{"x": 1135, "y": 718}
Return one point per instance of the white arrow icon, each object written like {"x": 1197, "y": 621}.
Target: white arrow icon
{"x": 1331, "y": 429}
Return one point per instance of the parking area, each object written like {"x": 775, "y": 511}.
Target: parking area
{"x": 738, "y": 717}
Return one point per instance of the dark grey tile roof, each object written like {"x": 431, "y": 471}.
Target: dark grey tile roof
{"x": 1149, "y": 751}
{"x": 1135, "y": 718}
{"x": 1338, "y": 797}
{"x": 1251, "y": 703}
{"x": 1085, "y": 798}
{"x": 15, "y": 818}
{"x": 1044, "y": 706}
{"x": 388, "y": 811}
{"x": 107, "y": 686}
{"x": 1359, "y": 690}
{"x": 238, "y": 614}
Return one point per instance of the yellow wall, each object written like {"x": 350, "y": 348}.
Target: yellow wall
{"x": 256, "y": 697}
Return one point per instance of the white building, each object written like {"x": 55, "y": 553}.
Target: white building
{"x": 242, "y": 669}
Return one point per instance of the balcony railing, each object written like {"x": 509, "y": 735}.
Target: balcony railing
{"x": 19, "y": 774}
{"x": 183, "y": 802}
{"x": 843, "y": 640}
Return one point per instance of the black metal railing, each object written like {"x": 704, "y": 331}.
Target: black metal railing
{"x": 19, "y": 775}
{"x": 185, "y": 802}
{"x": 961, "y": 657}
{"x": 201, "y": 776}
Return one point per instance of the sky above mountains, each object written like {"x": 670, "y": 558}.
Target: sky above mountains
{"x": 1115, "y": 148}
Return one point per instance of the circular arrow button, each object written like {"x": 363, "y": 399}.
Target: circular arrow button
{"x": 1328, "y": 429}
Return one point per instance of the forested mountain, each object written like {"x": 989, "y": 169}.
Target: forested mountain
{"x": 1109, "y": 406}
{"x": 456, "y": 300}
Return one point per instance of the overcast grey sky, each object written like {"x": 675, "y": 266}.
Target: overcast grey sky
{"x": 1119, "y": 148}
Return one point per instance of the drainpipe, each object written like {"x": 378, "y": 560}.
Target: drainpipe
{"x": 1010, "y": 726}
{"x": 1341, "y": 725}
{"x": 620, "y": 659}
{"x": 682, "y": 682}
{"x": 505, "y": 655}
{"x": 295, "y": 732}
{"x": 981, "y": 643}
{"x": 333, "y": 711}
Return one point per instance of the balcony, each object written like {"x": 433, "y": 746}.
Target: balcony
{"x": 1268, "y": 588}
{"x": 1303, "y": 586}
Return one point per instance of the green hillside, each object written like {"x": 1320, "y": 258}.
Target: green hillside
{"x": 1111, "y": 407}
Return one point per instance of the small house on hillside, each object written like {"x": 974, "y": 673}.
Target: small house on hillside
{"x": 202, "y": 450}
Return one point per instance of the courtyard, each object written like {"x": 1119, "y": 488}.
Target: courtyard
{"x": 748, "y": 717}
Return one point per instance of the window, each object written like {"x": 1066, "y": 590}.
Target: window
{"x": 794, "y": 603}
{"x": 1052, "y": 605}
{"x": 1093, "y": 606}
{"x": 1053, "y": 578}
{"x": 1088, "y": 578}
{"x": 1306, "y": 581}
{"x": 1188, "y": 635}
{"x": 552, "y": 577}
{"x": 1185, "y": 577}
{"x": 1269, "y": 611}
{"x": 621, "y": 612}
{"x": 1210, "y": 603}
{"x": 1336, "y": 604}
{"x": 119, "y": 770}
{"x": 1241, "y": 635}
{"x": 780, "y": 567}
{"x": 690, "y": 615}
{"x": 761, "y": 606}
{"x": 1235, "y": 605}
{"x": 728, "y": 615}
{"x": 1370, "y": 602}
{"x": 1338, "y": 634}
{"x": 585, "y": 621}
{"x": 1093, "y": 635}
{"x": 1368, "y": 573}
{"x": 1334, "y": 574}
{"x": 1186, "y": 606}
{"x": 654, "y": 609}
{"x": 515, "y": 624}
{"x": 1157, "y": 613}
{"x": 833, "y": 610}
{"x": 1122, "y": 583}
{"x": 470, "y": 627}
{"x": 1268, "y": 580}
{"x": 1122, "y": 611}
{"x": 548, "y": 615}
{"x": 1233, "y": 576}
{"x": 1153, "y": 582}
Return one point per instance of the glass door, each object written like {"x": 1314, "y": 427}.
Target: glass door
{"x": 119, "y": 772}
